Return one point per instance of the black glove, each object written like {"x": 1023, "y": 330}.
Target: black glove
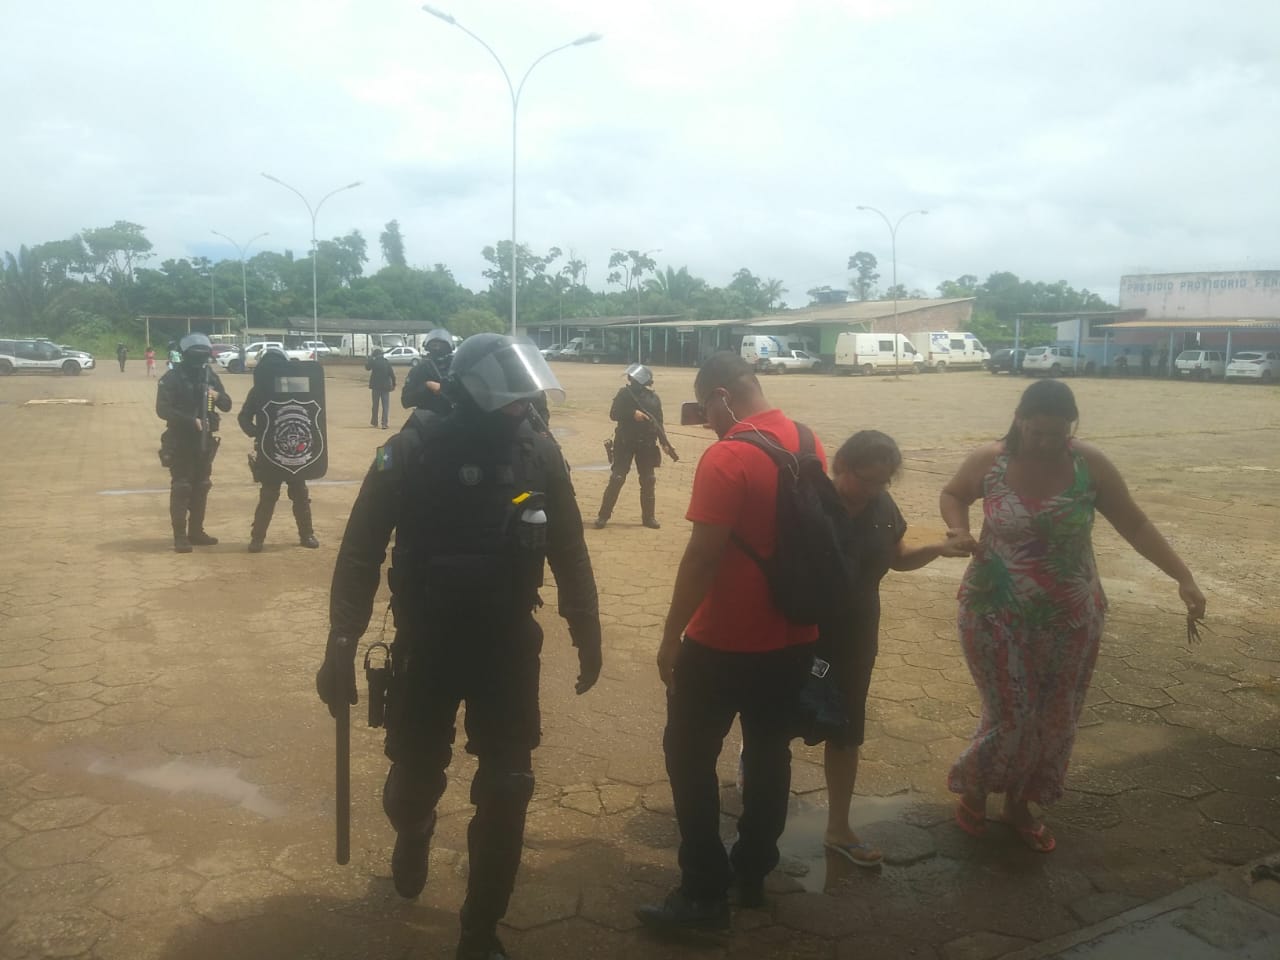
{"x": 587, "y": 639}
{"x": 336, "y": 678}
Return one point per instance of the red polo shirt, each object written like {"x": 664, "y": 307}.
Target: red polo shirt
{"x": 736, "y": 485}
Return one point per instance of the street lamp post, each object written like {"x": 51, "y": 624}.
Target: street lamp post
{"x": 639, "y": 353}
{"x": 315, "y": 303}
{"x": 893, "y": 246}
{"x": 515, "y": 92}
{"x": 244, "y": 280}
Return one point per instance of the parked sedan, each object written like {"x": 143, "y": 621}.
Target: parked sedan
{"x": 1006, "y": 361}
{"x": 402, "y": 356}
{"x": 551, "y": 352}
{"x": 1254, "y": 365}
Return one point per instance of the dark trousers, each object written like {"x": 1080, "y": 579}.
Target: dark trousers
{"x": 496, "y": 676}
{"x": 267, "y": 497}
{"x": 380, "y": 398}
{"x": 711, "y": 687}
{"x": 190, "y": 479}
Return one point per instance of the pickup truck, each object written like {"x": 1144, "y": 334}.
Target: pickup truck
{"x": 230, "y": 360}
{"x": 789, "y": 360}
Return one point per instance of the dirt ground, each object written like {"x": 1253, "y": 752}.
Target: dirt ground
{"x": 165, "y": 785}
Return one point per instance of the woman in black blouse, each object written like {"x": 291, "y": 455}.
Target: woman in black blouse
{"x": 872, "y": 538}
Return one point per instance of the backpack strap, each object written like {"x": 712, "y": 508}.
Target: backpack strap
{"x": 783, "y": 459}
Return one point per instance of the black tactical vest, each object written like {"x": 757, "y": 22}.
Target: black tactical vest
{"x": 460, "y": 553}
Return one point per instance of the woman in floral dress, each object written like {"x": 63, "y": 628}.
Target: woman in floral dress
{"x": 1031, "y": 604}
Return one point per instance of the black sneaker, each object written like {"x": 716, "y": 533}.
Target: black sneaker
{"x": 255, "y": 545}
{"x": 310, "y": 542}
{"x": 601, "y": 523}
{"x": 487, "y": 947}
{"x": 652, "y": 523}
{"x": 181, "y": 545}
{"x": 679, "y": 912}
{"x": 750, "y": 892}
{"x": 409, "y": 860}
{"x": 199, "y": 538}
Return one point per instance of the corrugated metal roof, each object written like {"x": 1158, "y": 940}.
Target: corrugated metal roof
{"x": 1194, "y": 323}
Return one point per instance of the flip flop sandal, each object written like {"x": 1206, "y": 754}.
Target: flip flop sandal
{"x": 1036, "y": 838}
{"x": 969, "y": 820}
{"x": 859, "y": 854}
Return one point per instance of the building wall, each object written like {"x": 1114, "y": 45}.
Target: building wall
{"x": 1253, "y": 294}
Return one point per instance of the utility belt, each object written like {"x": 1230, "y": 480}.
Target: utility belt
{"x": 174, "y": 444}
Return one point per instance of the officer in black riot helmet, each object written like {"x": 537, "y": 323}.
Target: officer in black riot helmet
{"x": 188, "y": 399}
{"x": 477, "y": 498}
{"x": 424, "y": 386}
{"x": 637, "y": 410}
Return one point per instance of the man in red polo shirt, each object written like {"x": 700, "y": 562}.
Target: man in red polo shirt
{"x": 728, "y": 651}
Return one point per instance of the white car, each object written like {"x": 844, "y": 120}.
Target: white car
{"x": 402, "y": 356}
{"x": 1254, "y": 365}
{"x": 551, "y": 352}
{"x": 37, "y": 355}
{"x": 318, "y": 347}
{"x": 1055, "y": 361}
{"x": 790, "y": 360}
{"x": 1201, "y": 364}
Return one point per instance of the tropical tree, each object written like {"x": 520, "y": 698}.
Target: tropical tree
{"x": 865, "y": 276}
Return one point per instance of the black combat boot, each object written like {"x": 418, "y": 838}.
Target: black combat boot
{"x": 610, "y": 499}
{"x": 179, "y": 502}
{"x": 409, "y": 859}
{"x": 306, "y": 532}
{"x": 683, "y": 913}
{"x": 195, "y": 525}
{"x": 649, "y": 502}
{"x": 262, "y": 517}
{"x": 481, "y": 947}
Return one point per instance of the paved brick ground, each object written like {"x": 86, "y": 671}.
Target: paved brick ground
{"x": 165, "y": 767}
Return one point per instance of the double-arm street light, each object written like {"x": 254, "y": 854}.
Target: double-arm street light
{"x": 893, "y": 247}
{"x": 244, "y": 282}
{"x": 315, "y": 302}
{"x": 515, "y": 91}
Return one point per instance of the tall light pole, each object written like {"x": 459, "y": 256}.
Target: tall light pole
{"x": 515, "y": 92}
{"x": 244, "y": 280}
{"x": 315, "y": 302}
{"x": 639, "y": 355}
{"x": 893, "y": 246}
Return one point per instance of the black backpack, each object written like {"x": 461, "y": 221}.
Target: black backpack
{"x": 807, "y": 573}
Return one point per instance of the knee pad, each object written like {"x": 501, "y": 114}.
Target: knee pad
{"x": 508, "y": 785}
{"x": 410, "y": 795}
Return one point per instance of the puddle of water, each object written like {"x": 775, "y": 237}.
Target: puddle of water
{"x": 812, "y": 865}
{"x": 179, "y": 776}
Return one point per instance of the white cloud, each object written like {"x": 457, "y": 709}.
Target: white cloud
{"x": 1055, "y": 139}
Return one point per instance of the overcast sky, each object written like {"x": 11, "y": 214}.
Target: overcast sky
{"x": 1058, "y": 139}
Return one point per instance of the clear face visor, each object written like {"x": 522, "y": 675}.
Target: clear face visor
{"x": 515, "y": 372}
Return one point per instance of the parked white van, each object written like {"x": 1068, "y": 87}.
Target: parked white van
{"x": 941, "y": 351}
{"x": 759, "y": 349}
{"x": 868, "y": 352}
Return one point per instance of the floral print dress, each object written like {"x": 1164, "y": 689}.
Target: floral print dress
{"x": 1031, "y": 618}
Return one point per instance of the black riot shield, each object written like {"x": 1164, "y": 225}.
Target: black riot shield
{"x": 291, "y": 439}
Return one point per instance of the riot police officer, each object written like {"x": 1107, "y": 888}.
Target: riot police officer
{"x": 637, "y": 410}
{"x": 188, "y": 399}
{"x": 424, "y": 386}
{"x": 273, "y": 362}
{"x": 477, "y": 498}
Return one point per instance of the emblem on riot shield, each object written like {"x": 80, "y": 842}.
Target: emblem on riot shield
{"x": 292, "y": 439}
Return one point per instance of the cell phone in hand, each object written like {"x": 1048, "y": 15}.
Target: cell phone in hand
{"x": 692, "y": 414}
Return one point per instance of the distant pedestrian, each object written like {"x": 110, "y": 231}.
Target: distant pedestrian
{"x": 122, "y": 354}
{"x": 150, "y": 357}
{"x": 637, "y": 410}
{"x": 382, "y": 380}
{"x": 871, "y": 539}
{"x": 175, "y": 355}
{"x": 1031, "y": 604}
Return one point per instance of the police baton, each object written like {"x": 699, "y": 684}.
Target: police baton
{"x": 342, "y": 773}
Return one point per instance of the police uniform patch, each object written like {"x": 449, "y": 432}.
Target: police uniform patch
{"x": 470, "y": 474}
{"x": 382, "y": 459}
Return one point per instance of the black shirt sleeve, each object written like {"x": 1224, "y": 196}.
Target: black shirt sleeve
{"x": 358, "y": 570}
{"x": 248, "y": 413}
